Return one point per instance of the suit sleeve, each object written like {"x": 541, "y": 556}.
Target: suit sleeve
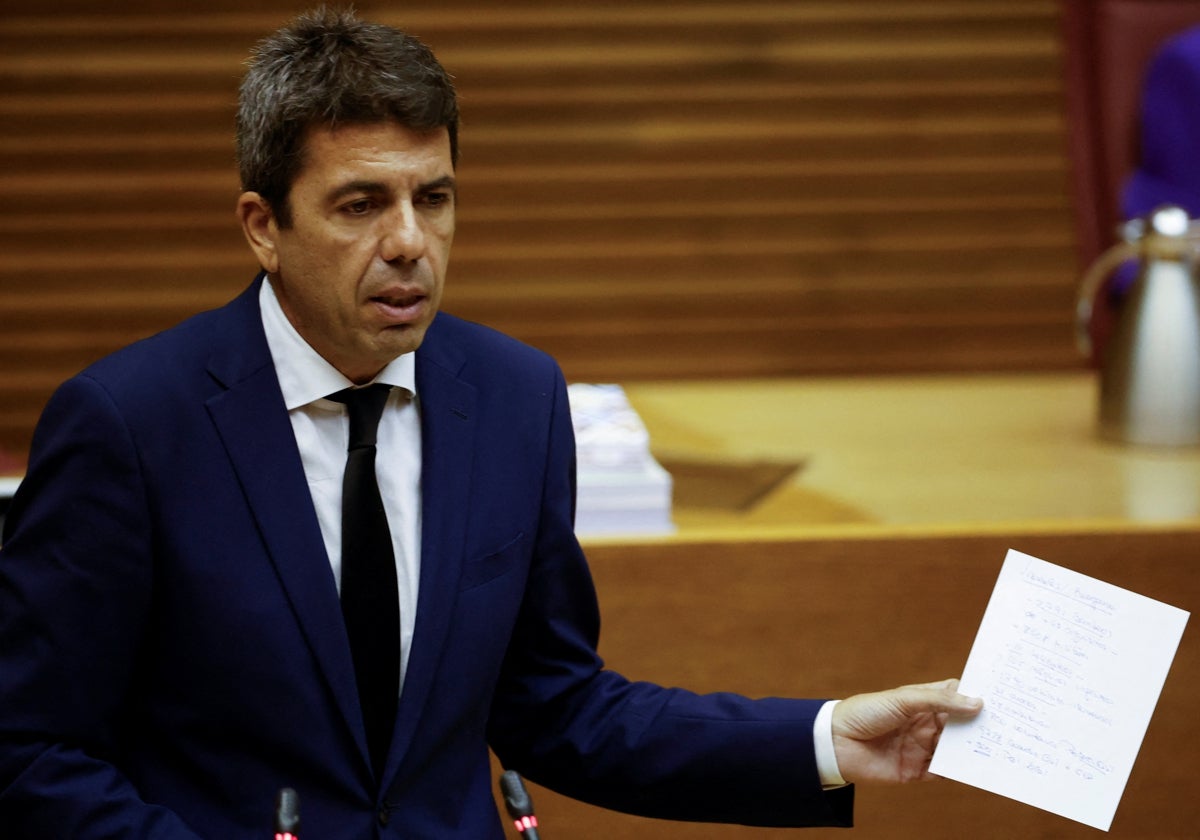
{"x": 75, "y": 587}
{"x": 564, "y": 721}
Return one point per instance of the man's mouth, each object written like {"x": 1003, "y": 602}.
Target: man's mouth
{"x": 398, "y": 301}
{"x": 399, "y": 308}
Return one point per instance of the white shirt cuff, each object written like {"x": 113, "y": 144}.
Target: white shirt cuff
{"x": 827, "y": 765}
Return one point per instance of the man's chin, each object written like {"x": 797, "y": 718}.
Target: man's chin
{"x": 399, "y": 339}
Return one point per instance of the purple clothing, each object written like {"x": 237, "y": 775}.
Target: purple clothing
{"x": 1169, "y": 166}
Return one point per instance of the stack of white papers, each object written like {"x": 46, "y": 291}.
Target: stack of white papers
{"x": 622, "y": 489}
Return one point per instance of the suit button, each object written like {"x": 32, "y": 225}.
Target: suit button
{"x": 384, "y": 815}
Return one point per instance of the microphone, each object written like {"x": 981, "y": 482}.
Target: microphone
{"x": 287, "y": 815}
{"x": 519, "y": 805}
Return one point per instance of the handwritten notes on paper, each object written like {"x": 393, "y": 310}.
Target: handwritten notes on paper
{"x": 1070, "y": 669}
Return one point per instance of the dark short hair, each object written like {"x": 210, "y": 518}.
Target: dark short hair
{"x": 327, "y": 68}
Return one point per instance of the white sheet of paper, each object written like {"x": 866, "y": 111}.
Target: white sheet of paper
{"x": 1070, "y": 669}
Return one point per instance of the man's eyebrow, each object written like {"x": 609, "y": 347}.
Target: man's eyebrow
{"x": 357, "y": 187}
{"x": 446, "y": 182}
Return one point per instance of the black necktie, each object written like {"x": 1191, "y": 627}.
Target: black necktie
{"x": 370, "y": 602}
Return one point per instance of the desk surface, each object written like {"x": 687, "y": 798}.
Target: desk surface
{"x": 925, "y": 454}
{"x": 883, "y": 456}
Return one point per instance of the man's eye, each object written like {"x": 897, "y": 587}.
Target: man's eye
{"x": 435, "y": 199}
{"x": 358, "y": 208}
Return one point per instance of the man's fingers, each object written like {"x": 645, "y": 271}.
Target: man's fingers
{"x": 939, "y": 696}
{"x": 877, "y": 713}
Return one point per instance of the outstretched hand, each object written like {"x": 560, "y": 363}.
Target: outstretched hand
{"x": 889, "y": 736}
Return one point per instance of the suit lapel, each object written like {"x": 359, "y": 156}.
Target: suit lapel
{"x": 252, "y": 422}
{"x": 448, "y": 421}
{"x": 253, "y": 425}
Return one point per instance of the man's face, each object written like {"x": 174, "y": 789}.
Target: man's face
{"x": 360, "y": 271}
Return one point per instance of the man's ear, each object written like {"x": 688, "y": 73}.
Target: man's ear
{"x": 260, "y": 228}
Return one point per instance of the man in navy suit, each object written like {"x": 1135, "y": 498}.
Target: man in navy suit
{"x": 172, "y": 644}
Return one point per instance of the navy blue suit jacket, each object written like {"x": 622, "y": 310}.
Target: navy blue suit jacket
{"x": 172, "y": 649}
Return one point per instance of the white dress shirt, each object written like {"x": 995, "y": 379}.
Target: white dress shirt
{"x": 322, "y": 429}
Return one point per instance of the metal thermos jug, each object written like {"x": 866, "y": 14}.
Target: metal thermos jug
{"x": 1150, "y": 368}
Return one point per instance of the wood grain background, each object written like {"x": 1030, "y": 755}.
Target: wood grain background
{"x": 650, "y": 190}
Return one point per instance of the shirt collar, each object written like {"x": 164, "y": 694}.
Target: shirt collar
{"x": 304, "y": 375}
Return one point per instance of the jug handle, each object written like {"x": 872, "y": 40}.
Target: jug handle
{"x": 1089, "y": 287}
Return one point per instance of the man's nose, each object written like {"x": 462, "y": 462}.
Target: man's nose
{"x": 403, "y": 238}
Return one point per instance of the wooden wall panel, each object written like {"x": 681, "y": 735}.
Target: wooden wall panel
{"x": 649, "y": 189}
{"x": 834, "y": 615}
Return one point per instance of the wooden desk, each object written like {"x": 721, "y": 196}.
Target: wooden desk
{"x": 944, "y": 453}
{"x": 871, "y": 567}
